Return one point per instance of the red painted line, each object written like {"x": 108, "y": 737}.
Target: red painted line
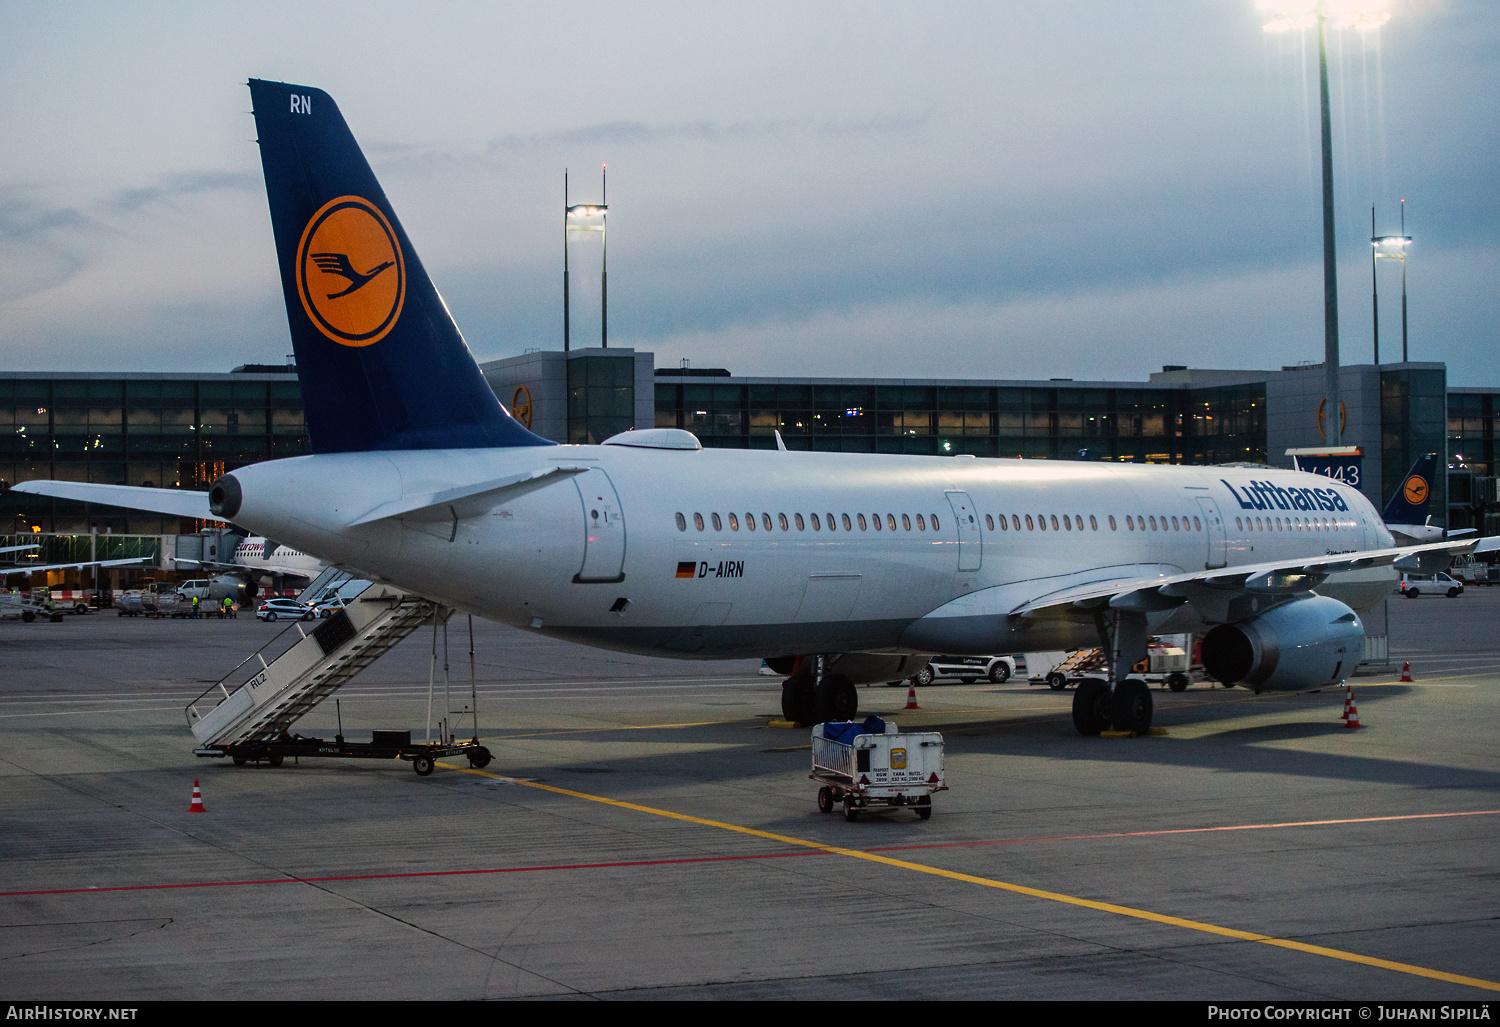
{"x": 730, "y": 859}
{"x": 422, "y": 873}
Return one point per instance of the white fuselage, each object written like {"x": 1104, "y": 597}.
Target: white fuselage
{"x": 263, "y": 558}
{"x": 651, "y": 550}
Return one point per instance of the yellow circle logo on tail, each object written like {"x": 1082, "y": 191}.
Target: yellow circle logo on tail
{"x": 350, "y": 274}
{"x": 1415, "y": 490}
{"x": 520, "y": 405}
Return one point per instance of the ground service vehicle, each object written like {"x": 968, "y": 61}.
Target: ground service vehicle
{"x": 1413, "y": 585}
{"x": 968, "y": 669}
{"x": 419, "y": 477}
{"x": 284, "y": 609}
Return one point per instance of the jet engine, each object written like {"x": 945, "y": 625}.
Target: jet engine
{"x": 1305, "y": 643}
{"x": 238, "y": 589}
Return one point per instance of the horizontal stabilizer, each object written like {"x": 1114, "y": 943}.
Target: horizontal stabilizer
{"x": 480, "y": 493}
{"x": 179, "y": 502}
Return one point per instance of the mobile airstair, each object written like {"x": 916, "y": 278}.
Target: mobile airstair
{"x": 247, "y": 715}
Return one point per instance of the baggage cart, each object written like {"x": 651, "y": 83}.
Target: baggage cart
{"x": 868, "y": 766}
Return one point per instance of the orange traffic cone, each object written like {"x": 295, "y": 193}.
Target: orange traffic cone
{"x": 1352, "y": 721}
{"x": 197, "y": 806}
{"x": 1406, "y": 671}
{"x": 911, "y": 698}
{"x": 1348, "y": 702}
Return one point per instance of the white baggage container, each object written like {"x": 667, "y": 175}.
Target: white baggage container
{"x": 864, "y": 769}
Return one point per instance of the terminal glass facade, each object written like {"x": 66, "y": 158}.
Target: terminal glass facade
{"x": 1413, "y": 418}
{"x": 1043, "y": 421}
{"x": 601, "y": 397}
{"x": 156, "y": 431}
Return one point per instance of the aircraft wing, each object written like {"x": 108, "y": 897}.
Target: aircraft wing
{"x": 484, "y": 492}
{"x": 1161, "y": 592}
{"x": 180, "y": 502}
{"x": 12, "y": 549}
{"x": 6, "y": 571}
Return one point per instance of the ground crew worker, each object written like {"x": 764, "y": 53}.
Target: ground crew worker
{"x": 195, "y": 608}
{"x": 228, "y": 608}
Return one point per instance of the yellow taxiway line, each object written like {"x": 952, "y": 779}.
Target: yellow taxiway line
{"x": 987, "y": 882}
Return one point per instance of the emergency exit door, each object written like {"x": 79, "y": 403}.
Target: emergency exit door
{"x": 604, "y": 529}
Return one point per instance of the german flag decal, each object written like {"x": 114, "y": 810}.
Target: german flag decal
{"x": 687, "y": 569}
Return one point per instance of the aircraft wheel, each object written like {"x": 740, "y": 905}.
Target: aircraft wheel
{"x": 923, "y": 677}
{"x": 1091, "y": 706}
{"x": 1130, "y": 708}
{"x": 1057, "y": 681}
{"x": 825, "y": 800}
{"x": 837, "y": 698}
{"x": 797, "y": 700}
{"x": 423, "y": 765}
{"x": 1177, "y": 682}
{"x": 999, "y": 673}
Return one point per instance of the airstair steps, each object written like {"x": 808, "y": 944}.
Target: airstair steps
{"x": 273, "y": 694}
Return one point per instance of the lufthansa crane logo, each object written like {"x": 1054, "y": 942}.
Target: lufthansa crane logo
{"x": 520, "y": 405}
{"x": 1415, "y": 490}
{"x": 350, "y": 274}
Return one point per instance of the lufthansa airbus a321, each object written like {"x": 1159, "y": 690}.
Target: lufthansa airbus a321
{"x": 837, "y": 568}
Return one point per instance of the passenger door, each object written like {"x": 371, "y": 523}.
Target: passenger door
{"x": 604, "y": 529}
{"x": 1218, "y": 543}
{"x": 969, "y": 540}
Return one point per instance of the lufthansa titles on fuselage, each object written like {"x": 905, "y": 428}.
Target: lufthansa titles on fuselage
{"x": 1265, "y": 495}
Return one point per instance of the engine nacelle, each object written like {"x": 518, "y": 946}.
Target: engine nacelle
{"x": 238, "y": 589}
{"x": 1305, "y": 643}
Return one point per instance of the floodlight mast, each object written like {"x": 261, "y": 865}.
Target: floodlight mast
{"x": 571, "y": 214}
{"x": 1292, "y": 14}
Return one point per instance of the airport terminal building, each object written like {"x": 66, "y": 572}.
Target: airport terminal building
{"x": 181, "y": 430}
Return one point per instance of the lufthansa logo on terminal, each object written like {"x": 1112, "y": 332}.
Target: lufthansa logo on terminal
{"x": 1415, "y": 490}
{"x": 350, "y": 274}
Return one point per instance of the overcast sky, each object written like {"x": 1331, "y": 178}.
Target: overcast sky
{"x": 999, "y": 190}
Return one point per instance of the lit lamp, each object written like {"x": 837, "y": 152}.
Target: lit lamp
{"x": 1389, "y": 247}
{"x": 588, "y": 217}
{"x": 1304, "y": 14}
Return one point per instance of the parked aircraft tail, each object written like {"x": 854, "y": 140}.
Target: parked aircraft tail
{"x": 381, "y": 363}
{"x": 1410, "y": 502}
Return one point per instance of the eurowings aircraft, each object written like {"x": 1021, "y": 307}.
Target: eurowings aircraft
{"x": 839, "y": 568}
{"x": 256, "y": 561}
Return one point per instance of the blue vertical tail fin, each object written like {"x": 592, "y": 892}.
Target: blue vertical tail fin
{"x": 381, "y": 363}
{"x": 1410, "y": 502}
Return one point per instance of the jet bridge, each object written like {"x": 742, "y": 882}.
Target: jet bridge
{"x": 247, "y": 714}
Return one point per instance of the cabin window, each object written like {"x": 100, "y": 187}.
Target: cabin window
{"x": 833, "y": 524}
{"x": 1197, "y": 524}
{"x": 1029, "y": 526}
{"x": 921, "y": 523}
{"x": 1067, "y": 522}
{"x": 847, "y": 525}
{"x": 1093, "y": 523}
{"x": 816, "y": 525}
{"x": 734, "y": 523}
{"x": 862, "y": 525}
{"x": 906, "y": 522}
{"x": 681, "y": 523}
{"x": 1153, "y": 524}
{"x": 1174, "y": 525}
{"x": 1130, "y": 523}
{"x": 750, "y": 521}
{"x": 785, "y": 526}
{"x": 890, "y": 521}
{"x": 765, "y": 521}
{"x": 718, "y": 524}
{"x": 934, "y": 522}
{"x": 876, "y": 518}
{"x": 1112, "y": 526}
{"x": 989, "y": 522}
{"x": 1054, "y": 522}
{"x": 800, "y": 525}
{"x": 698, "y": 521}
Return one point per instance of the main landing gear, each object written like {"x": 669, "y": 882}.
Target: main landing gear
{"x": 1126, "y": 707}
{"x": 809, "y": 697}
